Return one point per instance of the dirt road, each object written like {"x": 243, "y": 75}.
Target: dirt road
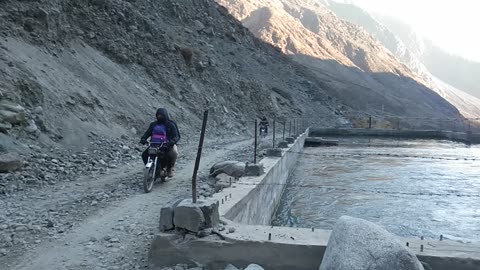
{"x": 114, "y": 233}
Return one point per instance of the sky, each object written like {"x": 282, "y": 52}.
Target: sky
{"x": 453, "y": 25}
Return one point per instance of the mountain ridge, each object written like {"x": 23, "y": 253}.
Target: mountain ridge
{"x": 354, "y": 67}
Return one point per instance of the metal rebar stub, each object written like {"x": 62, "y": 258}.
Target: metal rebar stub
{"x": 269, "y": 236}
{"x": 421, "y": 248}
{"x": 408, "y": 244}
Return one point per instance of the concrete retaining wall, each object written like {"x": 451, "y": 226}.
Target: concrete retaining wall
{"x": 408, "y": 134}
{"x": 263, "y": 193}
{"x": 248, "y": 205}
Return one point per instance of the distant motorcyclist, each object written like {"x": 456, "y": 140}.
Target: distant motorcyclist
{"x": 263, "y": 125}
{"x": 165, "y": 131}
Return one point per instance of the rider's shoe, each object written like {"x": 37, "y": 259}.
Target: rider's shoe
{"x": 170, "y": 172}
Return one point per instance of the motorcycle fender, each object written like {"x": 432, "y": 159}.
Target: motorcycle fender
{"x": 149, "y": 164}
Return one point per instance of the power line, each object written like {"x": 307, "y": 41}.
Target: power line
{"x": 358, "y": 190}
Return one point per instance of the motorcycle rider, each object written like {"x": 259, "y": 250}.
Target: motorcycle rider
{"x": 263, "y": 124}
{"x": 163, "y": 130}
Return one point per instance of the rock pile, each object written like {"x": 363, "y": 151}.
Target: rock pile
{"x": 41, "y": 168}
{"x": 201, "y": 218}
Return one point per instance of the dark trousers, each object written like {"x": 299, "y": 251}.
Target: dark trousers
{"x": 172, "y": 155}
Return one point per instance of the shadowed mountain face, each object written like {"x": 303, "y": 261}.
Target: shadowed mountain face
{"x": 352, "y": 65}
{"x": 444, "y": 73}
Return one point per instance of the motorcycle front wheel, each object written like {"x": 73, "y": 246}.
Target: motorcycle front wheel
{"x": 148, "y": 179}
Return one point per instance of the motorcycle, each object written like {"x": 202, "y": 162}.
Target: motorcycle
{"x": 155, "y": 167}
{"x": 263, "y": 132}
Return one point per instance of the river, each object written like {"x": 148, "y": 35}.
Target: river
{"x": 410, "y": 187}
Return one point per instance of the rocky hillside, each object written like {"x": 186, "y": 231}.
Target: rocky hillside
{"x": 420, "y": 56}
{"x": 72, "y": 68}
{"x": 353, "y": 66}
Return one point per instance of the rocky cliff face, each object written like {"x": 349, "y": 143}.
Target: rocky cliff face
{"x": 353, "y": 66}
{"x": 105, "y": 65}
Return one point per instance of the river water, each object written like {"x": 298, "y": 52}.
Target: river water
{"x": 411, "y": 188}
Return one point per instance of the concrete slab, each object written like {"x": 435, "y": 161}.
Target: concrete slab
{"x": 317, "y": 141}
{"x": 412, "y": 134}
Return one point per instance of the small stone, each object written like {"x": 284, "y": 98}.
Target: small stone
{"x": 205, "y": 232}
{"x": 38, "y": 110}
{"x": 3, "y": 252}
{"x": 31, "y": 127}
{"x": 231, "y": 230}
{"x": 114, "y": 240}
{"x": 94, "y": 203}
{"x": 199, "y": 26}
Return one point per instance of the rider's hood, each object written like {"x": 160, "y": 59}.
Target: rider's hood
{"x": 164, "y": 112}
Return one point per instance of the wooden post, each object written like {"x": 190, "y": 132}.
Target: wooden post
{"x": 274, "y": 122}
{"x": 255, "y": 143}
{"x": 199, "y": 156}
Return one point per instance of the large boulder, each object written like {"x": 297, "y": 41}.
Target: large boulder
{"x": 12, "y": 107}
{"x": 234, "y": 169}
{"x": 189, "y": 217}
{"x": 11, "y": 113}
{"x": 12, "y": 117}
{"x": 166, "y": 215}
{"x": 195, "y": 217}
{"x": 10, "y": 162}
{"x": 357, "y": 244}
{"x": 254, "y": 267}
